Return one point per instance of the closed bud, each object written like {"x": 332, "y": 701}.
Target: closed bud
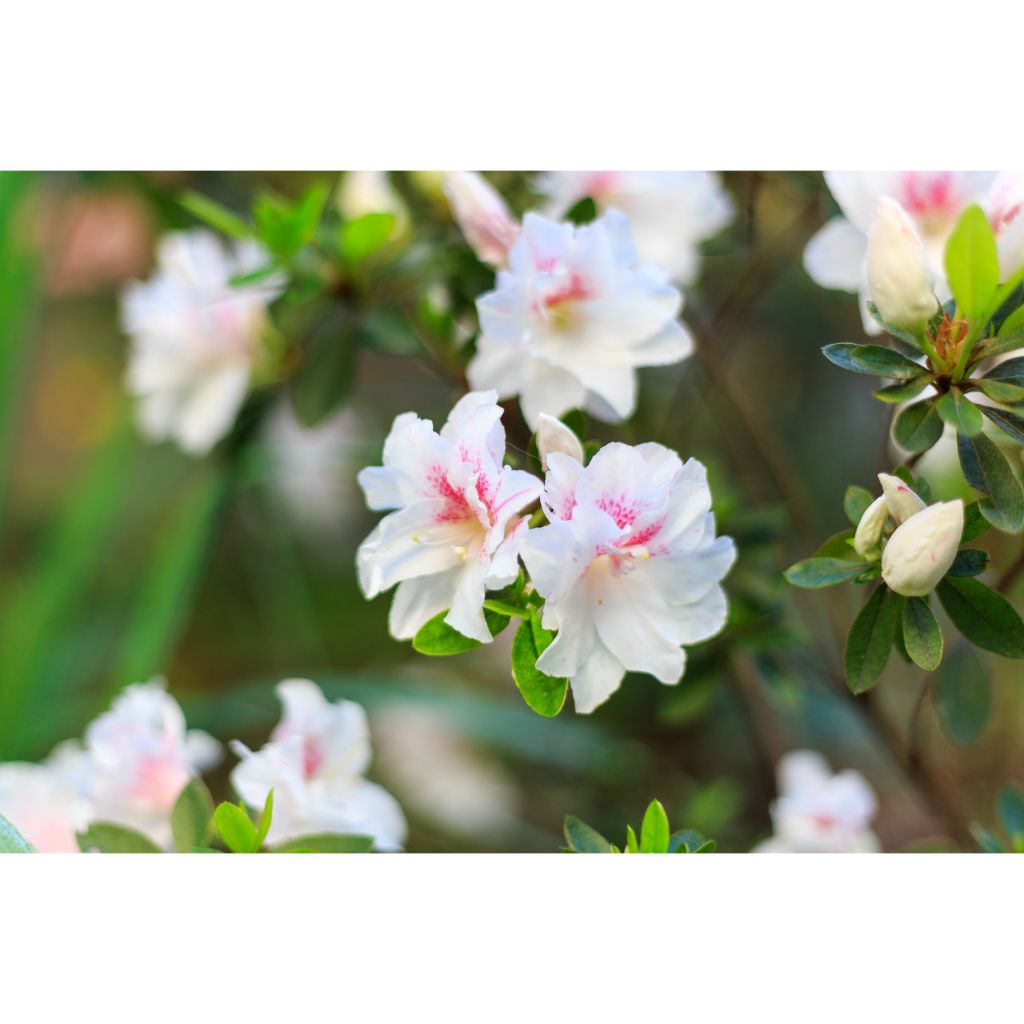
{"x": 898, "y": 276}
{"x": 482, "y": 215}
{"x": 921, "y": 551}
{"x": 554, "y": 436}
{"x": 868, "y": 537}
{"x": 902, "y": 502}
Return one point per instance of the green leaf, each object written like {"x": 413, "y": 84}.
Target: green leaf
{"x": 632, "y": 845}
{"x": 1010, "y": 807}
{"x": 689, "y": 840}
{"x": 192, "y": 817}
{"x": 985, "y": 468}
{"x": 584, "y": 839}
{"x": 1011, "y": 371}
{"x": 839, "y": 545}
{"x": 582, "y": 212}
{"x": 962, "y": 694}
{"x": 986, "y": 840}
{"x": 265, "y": 819}
{"x": 654, "y": 831}
{"x": 327, "y": 373}
{"x": 11, "y": 840}
{"x": 917, "y": 427}
{"x": 922, "y": 637}
{"x": 856, "y": 502}
{"x": 960, "y": 413}
{"x": 220, "y": 217}
{"x": 986, "y": 618}
{"x": 361, "y": 238}
{"x": 903, "y": 392}
{"x": 969, "y": 562}
{"x": 326, "y": 842}
{"x": 873, "y": 359}
{"x": 972, "y": 263}
{"x": 814, "y": 573}
{"x": 543, "y": 693}
{"x": 1007, "y": 421}
{"x": 975, "y": 523}
{"x": 235, "y": 828}
{"x": 904, "y": 339}
{"x": 871, "y": 638}
{"x": 388, "y": 331}
{"x": 1001, "y": 391}
{"x": 438, "y": 639}
{"x": 110, "y": 838}
{"x": 285, "y": 227}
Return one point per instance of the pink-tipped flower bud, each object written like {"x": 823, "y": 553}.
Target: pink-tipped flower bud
{"x": 482, "y": 215}
{"x": 554, "y": 436}
{"x": 921, "y": 551}
{"x": 902, "y": 502}
{"x": 898, "y": 276}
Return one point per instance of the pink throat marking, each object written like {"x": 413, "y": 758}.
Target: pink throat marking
{"x": 456, "y": 506}
{"x": 312, "y": 757}
{"x": 924, "y": 194}
{"x": 574, "y": 290}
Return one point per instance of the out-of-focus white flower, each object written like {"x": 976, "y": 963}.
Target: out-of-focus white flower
{"x": 572, "y": 318}
{"x": 45, "y": 802}
{"x": 629, "y": 567}
{"x": 554, "y": 436}
{"x": 898, "y": 277}
{"x": 365, "y": 192}
{"x": 140, "y": 757}
{"x": 194, "y": 337}
{"x": 482, "y": 215}
{"x": 818, "y": 812}
{"x": 455, "y": 532}
{"x": 670, "y": 212}
{"x": 836, "y": 256}
{"x": 315, "y": 762}
{"x": 441, "y": 777}
{"x": 923, "y": 548}
{"x": 1004, "y": 207}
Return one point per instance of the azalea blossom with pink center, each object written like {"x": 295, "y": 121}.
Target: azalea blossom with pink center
{"x": 140, "y": 757}
{"x": 456, "y": 528}
{"x": 670, "y": 212}
{"x": 933, "y": 200}
{"x": 1004, "y": 208}
{"x": 629, "y": 567}
{"x": 194, "y": 337}
{"x": 573, "y": 317}
{"x": 818, "y": 811}
{"x": 315, "y": 762}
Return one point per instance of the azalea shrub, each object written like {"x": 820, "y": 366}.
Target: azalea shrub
{"x": 454, "y": 506}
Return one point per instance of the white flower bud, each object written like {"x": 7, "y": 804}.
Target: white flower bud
{"x": 898, "y": 276}
{"x": 869, "y": 530}
{"x": 482, "y": 215}
{"x": 1011, "y": 248}
{"x": 900, "y": 499}
{"x": 921, "y": 551}
{"x": 554, "y": 436}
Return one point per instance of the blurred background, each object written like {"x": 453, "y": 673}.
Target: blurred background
{"x": 122, "y": 560}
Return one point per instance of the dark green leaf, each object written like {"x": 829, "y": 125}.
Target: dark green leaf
{"x": 1008, "y": 421}
{"x": 654, "y": 832}
{"x": 327, "y": 373}
{"x": 871, "y": 638}
{"x": 962, "y": 693}
{"x": 582, "y": 212}
{"x": 327, "y": 842}
{"x": 1011, "y": 371}
{"x": 1010, "y": 805}
{"x": 975, "y": 524}
{"x": 386, "y": 330}
{"x": 192, "y": 817}
{"x": 1001, "y": 391}
{"x": 985, "y": 468}
{"x": 584, "y": 839}
{"x": 813, "y": 573}
{"x": 922, "y": 637}
{"x": 235, "y": 828}
{"x": 543, "y": 693}
{"x": 969, "y": 562}
{"x": 903, "y": 392}
{"x": 109, "y": 838}
{"x": 437, "y": 638}
{"x": 11, "y": 840}
{"x": 972, "y": 263}
{"x": 839, "y": 545}
{"x": 856, "y": 502}
{"x": 986, "y": 618}
{"x": 873, "y": 359}
{"x": 960, "y": 413}
{"x": 917, "y": 427}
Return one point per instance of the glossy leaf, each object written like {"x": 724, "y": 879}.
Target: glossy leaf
{"x": 985, "y": 468}
{"x": 975, "y": 523}
{"x": 871, "y": 638}
{"x": 960, "y": 413}
{"x": 873, "y": 359}
{"x": 1007, "y": 421}
{"x": 922, "y": 638}
{"x": 815, "y": 573}
{"x": 543, "y": 693}
{"x": 904, "y": 391}
{"x": 972, "y": 263}
{"x": 438, "y": 639}
{"x": 917, "y": 427}
{"x": 654, "y": 832}
{"x": 984, "y": 617}
{"x": 235, "y": 828}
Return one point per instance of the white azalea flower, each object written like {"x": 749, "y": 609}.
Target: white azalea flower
{"x": 455, "y": 531}
{"x": 140, "y": 757}
{"x": 315, "y": 762}
{"x": 45, "y": 802}
{"x": 1004, "y": 206}
{"x": 482, "y": 215}
{"x": 933, "y": 200}
{"x": 818, "y": 812}
{"x": 670, "y": 212}
{"x": 194, "y": 337}
{"x": 629, "y": 567}
{"x": 572, "y": 318}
